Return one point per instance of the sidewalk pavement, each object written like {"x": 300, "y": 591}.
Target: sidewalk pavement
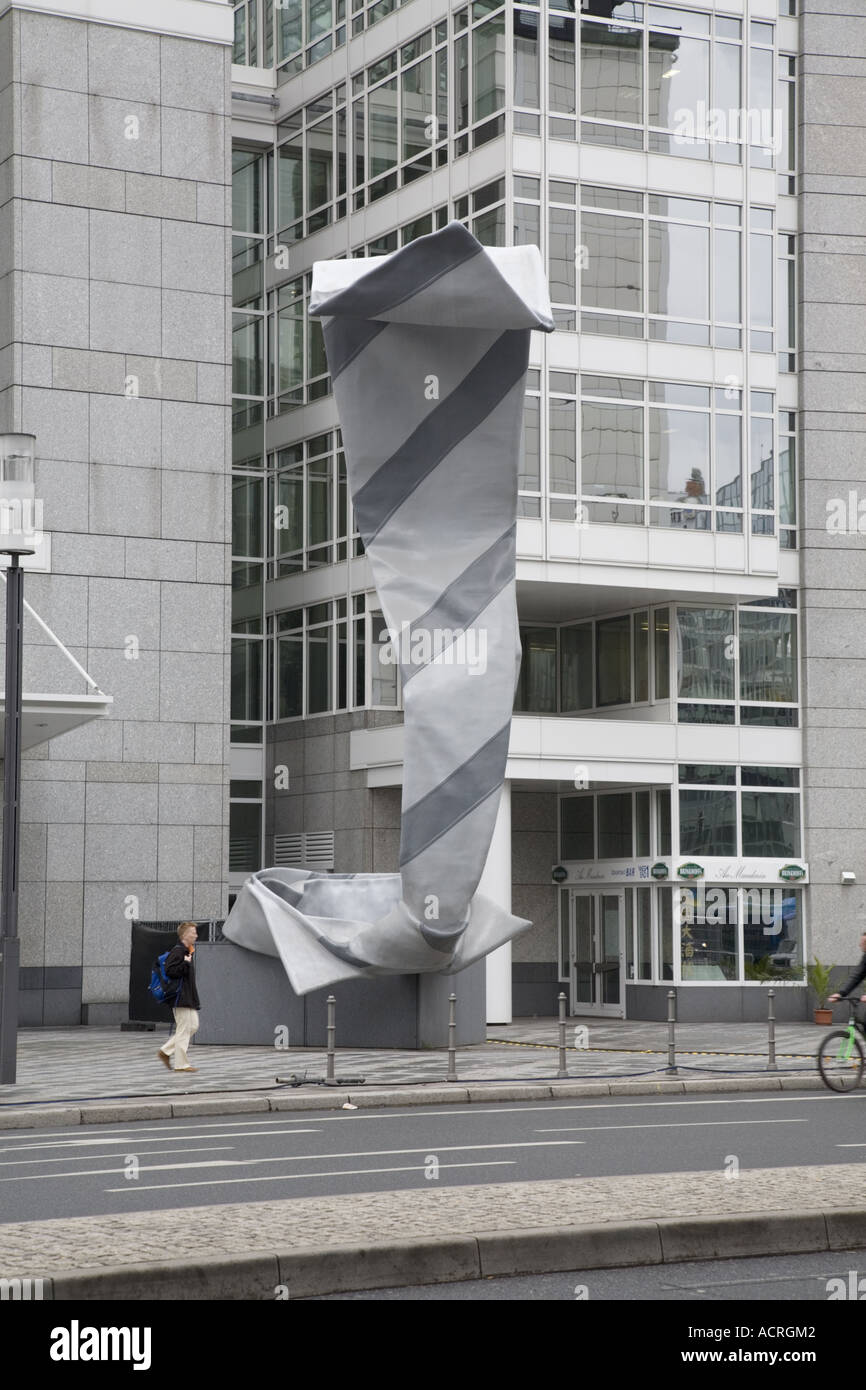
{"x": 309, "y": 1246}
{"x": 65, "y": 1067}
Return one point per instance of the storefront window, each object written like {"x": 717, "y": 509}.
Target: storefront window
{"x": 665, "y": 934}
{"x": 773, "y": 933}
{"x": 709, "y": 921}
{"x": 644, "y": 933}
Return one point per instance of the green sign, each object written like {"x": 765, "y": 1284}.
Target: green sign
{"x": 659, "y": 870}
{"x": 690, "y": 871}
{"x": 560, "y": 874}
{"x": 792, "y": 871}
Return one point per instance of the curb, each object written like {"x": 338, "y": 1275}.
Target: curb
{"x": 108, "y": 1112}
{"x": 317, "y": 1271}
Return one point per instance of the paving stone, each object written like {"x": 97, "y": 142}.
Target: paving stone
{"x": 356, "y": 1220}
{"x": 66, "y": 1068}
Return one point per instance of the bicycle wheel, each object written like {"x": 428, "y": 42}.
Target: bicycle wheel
{"x": 840, "y": 1061}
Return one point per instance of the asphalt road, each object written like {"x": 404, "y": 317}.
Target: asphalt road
{"x": 171, "y": 1163}
{"x": 773, "y": 1279}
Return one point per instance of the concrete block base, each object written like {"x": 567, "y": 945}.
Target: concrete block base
{"x": 247, "y": 999}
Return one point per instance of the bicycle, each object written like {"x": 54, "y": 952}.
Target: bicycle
{"x": 840, "y": 1056}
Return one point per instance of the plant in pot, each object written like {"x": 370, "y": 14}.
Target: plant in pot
{"x": 818, "y": 976}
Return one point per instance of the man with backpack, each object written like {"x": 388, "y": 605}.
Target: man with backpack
{"x": 180, "y": 966}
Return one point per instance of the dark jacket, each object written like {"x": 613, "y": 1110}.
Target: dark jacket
{"x": 176, "y": 968}
{"x": 858, "y": 975}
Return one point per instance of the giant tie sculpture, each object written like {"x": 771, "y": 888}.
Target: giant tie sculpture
{"x": 427, "y": 351}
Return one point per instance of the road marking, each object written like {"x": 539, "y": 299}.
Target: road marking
{"x": 466, "y": 1111}
{"x": 295, "y": 1177}
{"x": 140, "y": 1139}
{"x": 298, "y": 1158}
{"x": 672, "y": 1124}
{"x": 152, "y": 1153}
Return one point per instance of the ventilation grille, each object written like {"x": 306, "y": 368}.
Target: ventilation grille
{"x": 312, "y": 851}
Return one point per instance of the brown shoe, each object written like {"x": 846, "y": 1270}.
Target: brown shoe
{"x": 186, "y": 1068}
{"x": 163, "y": 1058}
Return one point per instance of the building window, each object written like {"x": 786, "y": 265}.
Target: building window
{"x": 786, "y": 301}
{"x": 788, "y": 480}
{"x": 325, "y": 653}
{"x": 739, "y": 665}
{"x": 310, "y": 505}
{"x": 536, "y": 686}
{"x": 594, "y": 665}
{"x": 750, "y": 811}
{"x": 245, "y": 831}
{"x": 678, "y": 447}
{"x": 614, "y": 825}
{"x": 721, "y": 925}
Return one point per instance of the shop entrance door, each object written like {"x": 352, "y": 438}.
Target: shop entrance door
{"x": 596, "y": 952}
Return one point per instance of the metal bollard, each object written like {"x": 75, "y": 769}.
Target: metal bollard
{"x": 330, "y": 1076}
{"x": 672, "y": 1046}
{"x": 771, "y": 1030}
{"x": 451, "y": 1074}
{"x": 563, "y": 1068}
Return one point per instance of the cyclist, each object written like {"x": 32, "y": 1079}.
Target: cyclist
{"x": 858, "y": 975}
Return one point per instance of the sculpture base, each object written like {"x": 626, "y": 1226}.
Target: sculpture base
{"x": 246, "y": 998}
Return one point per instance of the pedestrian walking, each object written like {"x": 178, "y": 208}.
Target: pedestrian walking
{"x": 180, "y": 965}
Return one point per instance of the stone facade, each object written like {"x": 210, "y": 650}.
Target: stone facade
{"x": 115, "y": 218}
{"x": 833, "y": 410}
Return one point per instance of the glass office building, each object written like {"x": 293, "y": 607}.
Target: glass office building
{"x": 656, "y": 823}
{"x": 686, "y": 788}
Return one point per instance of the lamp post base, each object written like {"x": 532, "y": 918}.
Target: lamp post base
{"x": 10, "y": 948}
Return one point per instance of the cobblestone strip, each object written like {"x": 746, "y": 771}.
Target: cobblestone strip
{"x": 47, "y": 1247}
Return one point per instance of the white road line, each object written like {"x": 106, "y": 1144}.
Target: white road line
{"x": 434, "y": 1111}
{"x": 166, "y": 1139}
{"x": 298, "y": 1158}
{"x": 152, "y": 1153}
{"x": 294, "y": 1177}
{"x": 672, "y": 1124}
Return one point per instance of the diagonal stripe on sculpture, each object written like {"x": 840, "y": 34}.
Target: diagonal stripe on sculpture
{"x": 428, "y": 352}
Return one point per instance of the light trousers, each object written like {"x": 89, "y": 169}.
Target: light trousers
{"x": 185, "y": 1024}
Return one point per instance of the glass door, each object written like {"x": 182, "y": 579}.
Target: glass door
{"x": 596, "y": 946}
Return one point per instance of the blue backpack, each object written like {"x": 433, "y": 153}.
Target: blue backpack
{"x": 162, "y": 987}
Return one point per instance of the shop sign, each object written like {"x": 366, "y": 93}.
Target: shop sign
{"x": 560, "y": 874}
{"x": 690, "y": 870}
{"x": 659, "y": 870}
{"x": 789, "y": 871}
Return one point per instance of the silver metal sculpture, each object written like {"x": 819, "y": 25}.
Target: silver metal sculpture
{"x": 427, "y": 351}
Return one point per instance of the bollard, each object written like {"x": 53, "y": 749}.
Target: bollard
{"x": 771, "y": 1030}
{"x": 672, "y": 1046}
{"x": 563, "y": 1069}
{"x": 451, "y": 1074}
{"x": 330, "y": 1076}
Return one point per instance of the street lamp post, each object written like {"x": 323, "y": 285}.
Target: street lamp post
{"x": 17, "y": 490}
